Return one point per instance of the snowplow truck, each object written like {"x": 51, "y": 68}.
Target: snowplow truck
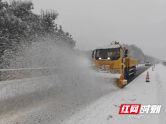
{"x": 115, "y": 59}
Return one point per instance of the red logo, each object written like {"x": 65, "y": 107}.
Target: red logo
{"x": 129, "y": 108}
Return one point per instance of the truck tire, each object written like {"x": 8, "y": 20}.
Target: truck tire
{"x": 135, "y": 71}
{"x": 127, "y": 72}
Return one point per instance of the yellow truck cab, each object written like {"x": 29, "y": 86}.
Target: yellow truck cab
{"x": 114, "y": 59}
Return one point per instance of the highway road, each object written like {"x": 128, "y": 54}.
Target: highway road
{"x": 58, "y": 99}
{"x": 140, "y": 70}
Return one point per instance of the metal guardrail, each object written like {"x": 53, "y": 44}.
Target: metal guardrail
{"x": 18, "y": 69}
{"x": 19, "y": 73}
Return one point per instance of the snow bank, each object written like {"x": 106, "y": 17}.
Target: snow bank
{"x": 161, "y": 74}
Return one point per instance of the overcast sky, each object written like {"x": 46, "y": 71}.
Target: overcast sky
{"x": 95, "y": 23}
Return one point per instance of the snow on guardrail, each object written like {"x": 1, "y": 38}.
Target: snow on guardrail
{"x": 19, "y": 73}
{"x": 18, "y": 69}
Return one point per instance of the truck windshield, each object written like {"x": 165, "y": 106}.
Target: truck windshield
{"x": 112, "y": 54}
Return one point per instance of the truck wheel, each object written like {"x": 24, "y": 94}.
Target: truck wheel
{"x": 135, "y": 70}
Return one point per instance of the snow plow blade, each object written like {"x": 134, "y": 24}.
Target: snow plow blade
{"x": 122, "y": 82}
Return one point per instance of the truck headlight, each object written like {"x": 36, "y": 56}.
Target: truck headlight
{"x": 108, "y": 57}
{"x": 99, "y": 57}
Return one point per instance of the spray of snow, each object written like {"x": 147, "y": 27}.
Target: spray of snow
{"x": 73, "y": 83}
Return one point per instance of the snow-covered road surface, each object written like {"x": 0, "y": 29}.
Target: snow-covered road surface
{"x": 93, "y": 100}
{"x": 106, "y": 109}
{"x": 54, "y": 98}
